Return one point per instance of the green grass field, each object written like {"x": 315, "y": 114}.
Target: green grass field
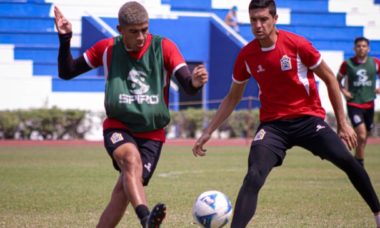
{"x": 68, "y": 186}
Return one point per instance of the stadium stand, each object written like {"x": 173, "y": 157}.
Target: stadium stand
{"x": 29, "y": 44}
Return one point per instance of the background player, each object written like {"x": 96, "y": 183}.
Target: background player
{"x": 360, "y": 75}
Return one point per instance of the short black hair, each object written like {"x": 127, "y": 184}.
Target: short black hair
{"x": 360, "y": 39}
{"x": 262, "y": 4}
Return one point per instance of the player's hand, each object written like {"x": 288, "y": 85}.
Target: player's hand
{"x": 62, "y": 24}
{"x": 349, "y": 136}
{"x": 198, "y": 149}
{"x": 347, "y": 94}
{"x": 200, "y": 76}
{"x": 377, "y": 91}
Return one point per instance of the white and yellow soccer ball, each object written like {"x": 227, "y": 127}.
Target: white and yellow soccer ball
{"x": 212, "y": 209}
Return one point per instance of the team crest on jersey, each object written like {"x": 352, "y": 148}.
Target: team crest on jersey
{"x": 357, "y": 119}
{"x": 259, "y": 135}
{"x": 286, "y": 63}
{"x": 116, "y": 137}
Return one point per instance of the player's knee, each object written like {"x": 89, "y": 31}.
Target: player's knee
{"x": 346, "y": 163}
{"x": 362, "y": 137}
{"x": 254, "y": 179}
{"x": 129, "y": 162}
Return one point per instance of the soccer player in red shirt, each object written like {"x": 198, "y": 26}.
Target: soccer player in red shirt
{"x": 360, "y": 91}
{"x": 283, "y": 64}
{"x": 138, "y": 67}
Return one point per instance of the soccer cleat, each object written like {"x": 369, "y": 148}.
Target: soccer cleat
{"x": 156, "y": 216}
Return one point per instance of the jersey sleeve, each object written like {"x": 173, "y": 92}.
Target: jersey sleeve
{"x": 309, "y": 55}
{"x": 173, "y": 59}
{"x": 94, "y": 55}
{"x": 343, "y": 68}
{"x": 241, "y": 72}
{"x": 377, "y": 61}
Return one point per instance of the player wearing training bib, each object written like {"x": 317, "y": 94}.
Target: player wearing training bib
{"x": 360, "y": 91}
{"x": 143, "y": 99}
{"x": 283, "y": 64}
{"x": 138, "y": 67}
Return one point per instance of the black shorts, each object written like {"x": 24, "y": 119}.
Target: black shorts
{"x": 311, "y": 133}
{"x": 359, "y": 116}
{"x": 150, "y": 150}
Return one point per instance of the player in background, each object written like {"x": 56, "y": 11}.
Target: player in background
{"x": 138, "y": 67}
{"x": 360, "y": 91}
{"x": 231, "y": 19}
{"x": 283, "y": 64}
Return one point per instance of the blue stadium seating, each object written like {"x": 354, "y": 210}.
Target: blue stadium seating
{"x": 326, "y": 30}
{"x": 190, "y": 5}
{"x": 312, "y": 6}
{"x": 30, "y": 28}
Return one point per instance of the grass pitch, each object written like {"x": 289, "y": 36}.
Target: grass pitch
{"x": 68, "y": 186}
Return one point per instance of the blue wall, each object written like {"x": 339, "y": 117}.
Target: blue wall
{"x": 224, "y": 49}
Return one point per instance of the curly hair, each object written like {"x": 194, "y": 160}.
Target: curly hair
{"x": 132, "y": 13}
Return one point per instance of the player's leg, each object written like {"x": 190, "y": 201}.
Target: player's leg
{"x": 136, "y": 173}
{"x": 362, "y": 136}
{"x": 115, "y": 209}
{"x": 324, "y": 142}
{"x": 261, "y": 160}
{"x": 126, "y": 158}
{"x": 363, "y": 131}
{"x": 356, "y": 116}
{"x": 150, "y": 152}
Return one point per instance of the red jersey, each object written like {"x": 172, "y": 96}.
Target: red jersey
{"x": 100, "y": 55}
{"x": 284, "y": 74}
{"x": 343, "y": 71}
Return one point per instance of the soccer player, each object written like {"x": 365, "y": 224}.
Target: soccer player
{"x": 138, "y": 67}
{"x": 360, "y": 72}
{"x": 291, "y": 114}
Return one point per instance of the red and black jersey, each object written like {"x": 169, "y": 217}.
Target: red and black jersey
{"x": 284, "y": 74}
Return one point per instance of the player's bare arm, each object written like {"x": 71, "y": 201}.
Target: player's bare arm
{"x": 345, "y": 131}
{"x": 226, "y": 107}
{"x": 377, "y": 91}
{"x": 343, "y": 89}
{"x": 62, "y": 24}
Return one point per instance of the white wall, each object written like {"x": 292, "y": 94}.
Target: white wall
{"x": 19, "y": 88}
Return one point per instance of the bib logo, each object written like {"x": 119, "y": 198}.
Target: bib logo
{"x": 139, "y": 88}
{"x": 362, "y": 78}
{"x": 137, "y": 80}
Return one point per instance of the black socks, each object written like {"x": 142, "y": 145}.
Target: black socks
{"x": 142, "y": 212}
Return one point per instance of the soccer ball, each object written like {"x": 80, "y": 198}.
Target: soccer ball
{"x": 212, "y": 209}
